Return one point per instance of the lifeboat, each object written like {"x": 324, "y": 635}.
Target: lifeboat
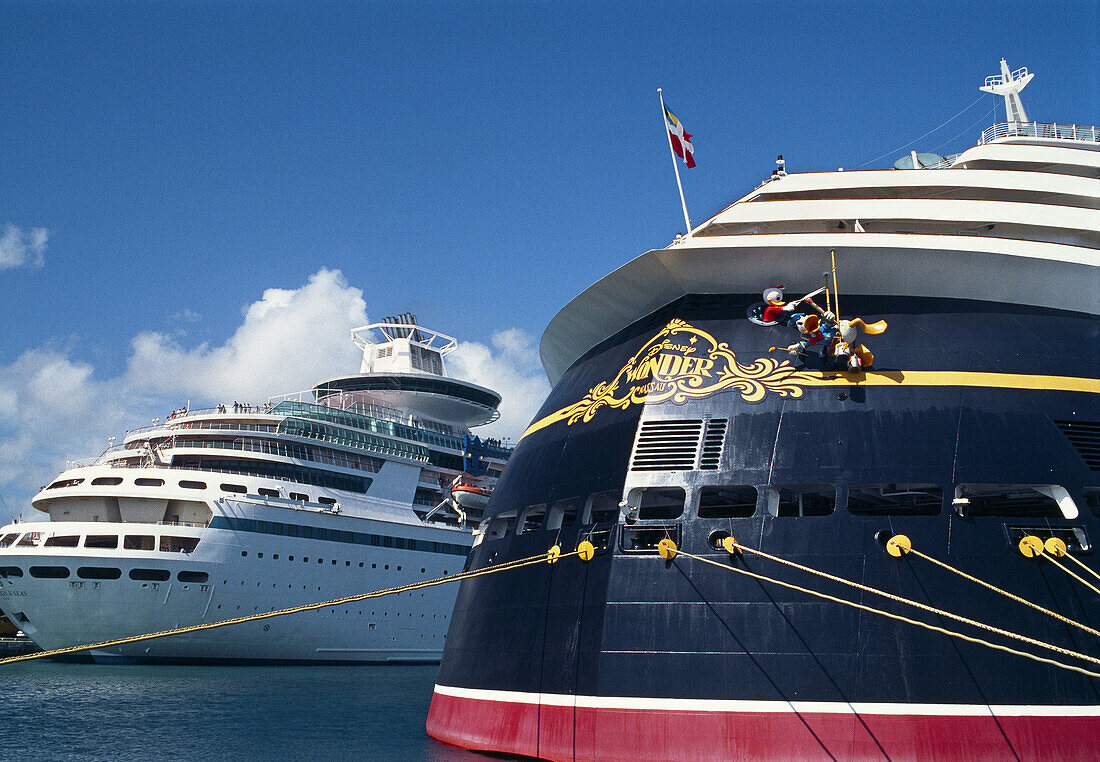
{"x": 469, "y": 496}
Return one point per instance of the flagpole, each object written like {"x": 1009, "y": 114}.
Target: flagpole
{"x": 675, "y": 166}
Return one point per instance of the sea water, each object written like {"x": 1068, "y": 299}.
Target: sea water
{"x": 98, "y": 712}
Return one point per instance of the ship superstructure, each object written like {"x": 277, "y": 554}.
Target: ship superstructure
{"x": 243, "y": 508}
{"x": 939, "y": 383}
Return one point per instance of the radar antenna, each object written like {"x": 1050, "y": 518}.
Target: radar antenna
{"x": 1009, "y": 85}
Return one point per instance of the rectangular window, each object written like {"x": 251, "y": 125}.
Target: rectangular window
{"x": 101, "y": 541}
{"x": 564, "y": 513}
{"x": 299, "y": 496}
{"x": 1006, "y": 500}
{"x": 498, "y": 527}
{"x": 69, "y": 541}
{"x": 30, "y": 540}
{"x": 895, "y": 499}
{"x": 186, "y": 484}
{"x": 727, "y": 502}
{"x": 267, "y": 492}
{"x": 533, "y": 517}
{"x": 145, "y": 482}
{"x": 602, "y": 508}
{"x": 802, "y": 500}
{"x": 139, "y": 542}
{"x": 240, "y": 489}
{"x": 660, "y": 503}
{"x": 178, "y": 544}
{"x": 8, "y": 539}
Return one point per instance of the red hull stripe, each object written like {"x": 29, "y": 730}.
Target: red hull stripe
{"x": 605, "y": 728}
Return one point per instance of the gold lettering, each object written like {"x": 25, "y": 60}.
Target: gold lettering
{"x": 704, "y": 366}
{"x": 670, "y": 365}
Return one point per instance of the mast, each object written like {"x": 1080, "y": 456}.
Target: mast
{"x": 1009, "y": 85}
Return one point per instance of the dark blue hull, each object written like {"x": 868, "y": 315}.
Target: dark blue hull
{"x": 964, "y": 398}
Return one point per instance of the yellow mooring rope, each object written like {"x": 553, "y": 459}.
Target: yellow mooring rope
{"x": 1005, "y": 593}
{"x": 551, "y": 556}
{"x": 918, "y": 604}
{"x": 730, "y": 543}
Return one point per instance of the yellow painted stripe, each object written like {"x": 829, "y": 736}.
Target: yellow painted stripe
{"x": 914, "y": 378}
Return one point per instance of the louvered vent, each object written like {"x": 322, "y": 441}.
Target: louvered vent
{"x": 1085, "y": 438}
{"x": 713, "y": 439}
{"x": 679, "y": 445}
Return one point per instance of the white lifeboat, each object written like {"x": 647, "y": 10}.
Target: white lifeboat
{"x": 469, "y": 496}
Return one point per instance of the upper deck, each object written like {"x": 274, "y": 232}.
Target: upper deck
{"x": 1013, "y": 219}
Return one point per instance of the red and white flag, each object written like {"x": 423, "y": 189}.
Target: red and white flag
{"x": 681, "y": 140}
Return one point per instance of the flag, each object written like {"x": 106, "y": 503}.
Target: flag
{"x": 681, "y": 141}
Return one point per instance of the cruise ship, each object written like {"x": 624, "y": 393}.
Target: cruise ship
{"x": 217, "y": 513}
{"x": 767, "y": 484}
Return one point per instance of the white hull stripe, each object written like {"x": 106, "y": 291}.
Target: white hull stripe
{"x": 772, "y": 707}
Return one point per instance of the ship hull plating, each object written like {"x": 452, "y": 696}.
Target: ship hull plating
{"x": 632, "y": 655}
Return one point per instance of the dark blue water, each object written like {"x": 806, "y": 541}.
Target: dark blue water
{"x": 97, "y": 712}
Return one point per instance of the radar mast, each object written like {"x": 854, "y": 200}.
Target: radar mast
{"x": 1009, "y": 85}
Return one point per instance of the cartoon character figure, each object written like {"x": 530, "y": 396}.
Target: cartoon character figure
{"x": 811, "y": 330}
{"x": 775, "y": 311}
{"x": 843, "y": 349}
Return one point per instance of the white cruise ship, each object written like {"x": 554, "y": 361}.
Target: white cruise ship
{"x": 368, "y": 481}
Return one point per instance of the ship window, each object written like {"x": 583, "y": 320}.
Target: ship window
{"x": 240, "y": 489}
{"x": 299, "y": 496}
{"x": 10, "y": 571}
{"x": 192, "y": 485}
{"x": 178, "y": 544}
{"x": 1005, "y": 500}
{"x": 8, "y": 539}
{"x": 660, "y": 502}
{"x": 498, "y": 527}
{"x": 66, "y": 541}
{"x": 147, "y": 482}
{"x": 30, "y": 540}
{"x": 602, "y": 508}
{"x": 49, "y": 572}
{"x": 106, "y": 481}
{"x": 326, "y": 501}
{"x": 150, "y": 575}
{"x": 802, "y": 500}
{"x": 266, "y": 492}
{"x": 98, "y": 572}
{"x": 192, "y": 576}
{"x": 65, "y": 483}
{"x": 139, "y": 542}
{"x": 727, "y": 502}
{"x": 895, "y": 499}
{"x": 101, "y": 541}
{"x": 564, "y": 513}
{"x": 533, "y": 516}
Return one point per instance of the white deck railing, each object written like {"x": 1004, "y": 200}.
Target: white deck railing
{"x": 1040, "y": 130}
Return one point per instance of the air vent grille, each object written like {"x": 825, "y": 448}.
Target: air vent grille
{"x": 713, "y": 439}
{"x": 679, "y": 445}
{"x": 1085, "y": 438}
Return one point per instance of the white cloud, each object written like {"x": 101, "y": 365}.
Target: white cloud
{"x": 54, "y": 407}
{"x": 511, "y": 367}
{"x": 290, "y": 339}
{"x": 18, "y": 248}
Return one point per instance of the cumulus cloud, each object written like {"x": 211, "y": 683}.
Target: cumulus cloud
{"x": 290, "y": 339}
{"x": 55, "y": 407}
{"x": 19, "y": 247}
{"x": 509, "y": 365}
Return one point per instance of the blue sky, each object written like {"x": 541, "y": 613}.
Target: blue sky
{"x": 478, "y": 164}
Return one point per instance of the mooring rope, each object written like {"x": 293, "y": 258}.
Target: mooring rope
{"x": 550, "y": 556}
{"x": 1005, "y": 593}
{"x": 896, "y": 617}
{"x": 730, "y": 542}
